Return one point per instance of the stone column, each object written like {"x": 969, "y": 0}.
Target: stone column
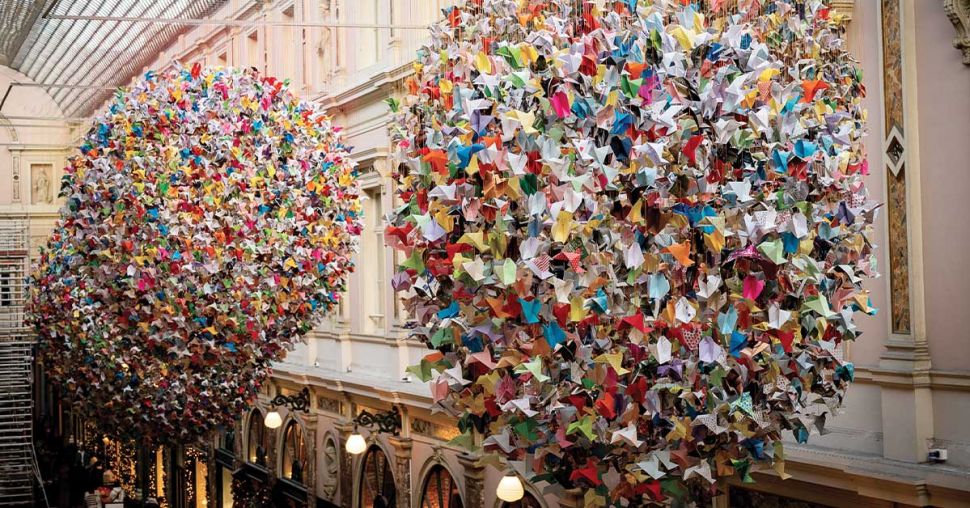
{"x": 904, "y": 366}
{"x": 346, "y": 480}
{"x": 402, "y": 466}
{"x": 474, "y": 480}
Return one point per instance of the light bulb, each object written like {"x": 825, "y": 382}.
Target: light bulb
{"x": 273, "y": 420}
{"x": 356, "y": 444}
{"x": 510, "y": 489}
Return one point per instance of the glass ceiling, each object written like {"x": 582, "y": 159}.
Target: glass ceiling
{"x": 94, "y": 54}
{"x": 16, "y": 17}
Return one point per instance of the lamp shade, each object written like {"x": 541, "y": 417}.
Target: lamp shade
{"x": 272, "y": 420}
{"x": 510, "y": 489}
{"x": 356, "y": 444}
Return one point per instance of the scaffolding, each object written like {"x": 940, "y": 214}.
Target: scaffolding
{"x": 17, "y": 461}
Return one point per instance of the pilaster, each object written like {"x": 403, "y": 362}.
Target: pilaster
{"x": 903, "y": 371}
{"x": 402, "y": 467}
{"x": 346, "y": 481}
{"x": 474, "y": 480}
{"x": 16, "y": 173}
{"x": 310, "y": 440}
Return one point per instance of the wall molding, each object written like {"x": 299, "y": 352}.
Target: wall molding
{"x": 951, "y": 380}
{"x": 863, "y": 479}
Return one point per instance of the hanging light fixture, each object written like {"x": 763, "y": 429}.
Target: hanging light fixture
{"x": 510, "y": 488}
{"x": 273, "y": 419}
{"x": 356, "y": 444}
{"x": 298, "y": 402}
{"x": 385, "y": 421}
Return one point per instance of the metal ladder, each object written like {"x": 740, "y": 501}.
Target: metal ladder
{"x": 17, "y": 462}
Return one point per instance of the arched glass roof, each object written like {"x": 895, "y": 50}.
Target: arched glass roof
{"x": 89, "y": 55}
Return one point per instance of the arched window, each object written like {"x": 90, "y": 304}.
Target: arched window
{"x": 377, "y": 489}
{"x": 227, "y": 440}
{"x": 440, "y": 490}
{"x": 527, "y": 501}
{"x": 257, "y": 439}
{"x": 294, "y": 453}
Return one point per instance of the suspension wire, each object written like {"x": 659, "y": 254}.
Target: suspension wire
{"x": 35, "y": 126}
{"x": 232, "y": 22}
{"x": 46, "y": 118}
{"x": 53, "y": 146}
{"x": 67, "y": 85}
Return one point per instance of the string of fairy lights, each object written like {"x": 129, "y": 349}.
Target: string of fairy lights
{"x": 194, "y": 476}
{"x": 121, "y": 457}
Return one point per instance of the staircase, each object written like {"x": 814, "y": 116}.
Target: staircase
{"x": 17, "y": 471}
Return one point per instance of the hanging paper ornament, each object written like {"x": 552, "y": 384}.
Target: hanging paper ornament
{"x": 634, "y": 233}
{"x": 209, "y": 219}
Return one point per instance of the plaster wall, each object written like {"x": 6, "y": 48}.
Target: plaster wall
{"x": 30, "y": 134}
{"x": 944, "y": 130}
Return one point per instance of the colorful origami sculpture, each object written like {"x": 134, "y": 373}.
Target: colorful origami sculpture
{"x": 209, "y": 218}
{"x": 635, "y": 234}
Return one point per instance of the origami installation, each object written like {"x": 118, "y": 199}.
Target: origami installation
{"x": 635, "y": 234}
{"x": 209, "y": 217}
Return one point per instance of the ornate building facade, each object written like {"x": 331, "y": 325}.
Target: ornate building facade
{"x": 912, "y": 393}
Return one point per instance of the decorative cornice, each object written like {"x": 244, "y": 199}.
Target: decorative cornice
{"x": 349, "y": 385}
{"x": 860, "y": 478}
{"x": 959, "y": 13}
{"x": 381, "y": 83}
{"x": 844, "y": 7}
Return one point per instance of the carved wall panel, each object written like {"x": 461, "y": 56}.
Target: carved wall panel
{"x": 331, "y": 469}
{"x": 433, "y": 430}
{"x": 41, "y": 188}
{"x": 330, "y": 405}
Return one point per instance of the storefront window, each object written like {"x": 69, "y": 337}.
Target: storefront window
{"x": 294, "y": 453}
{"x": 745, "y": 497}
{"x": 377, "y": 489}
{"x": 258, "y": 437}
{"x": 226, "y": 487}
{"x": 440, "y": 490}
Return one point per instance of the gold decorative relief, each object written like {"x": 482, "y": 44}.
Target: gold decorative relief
{"x": 433, "y": 430}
